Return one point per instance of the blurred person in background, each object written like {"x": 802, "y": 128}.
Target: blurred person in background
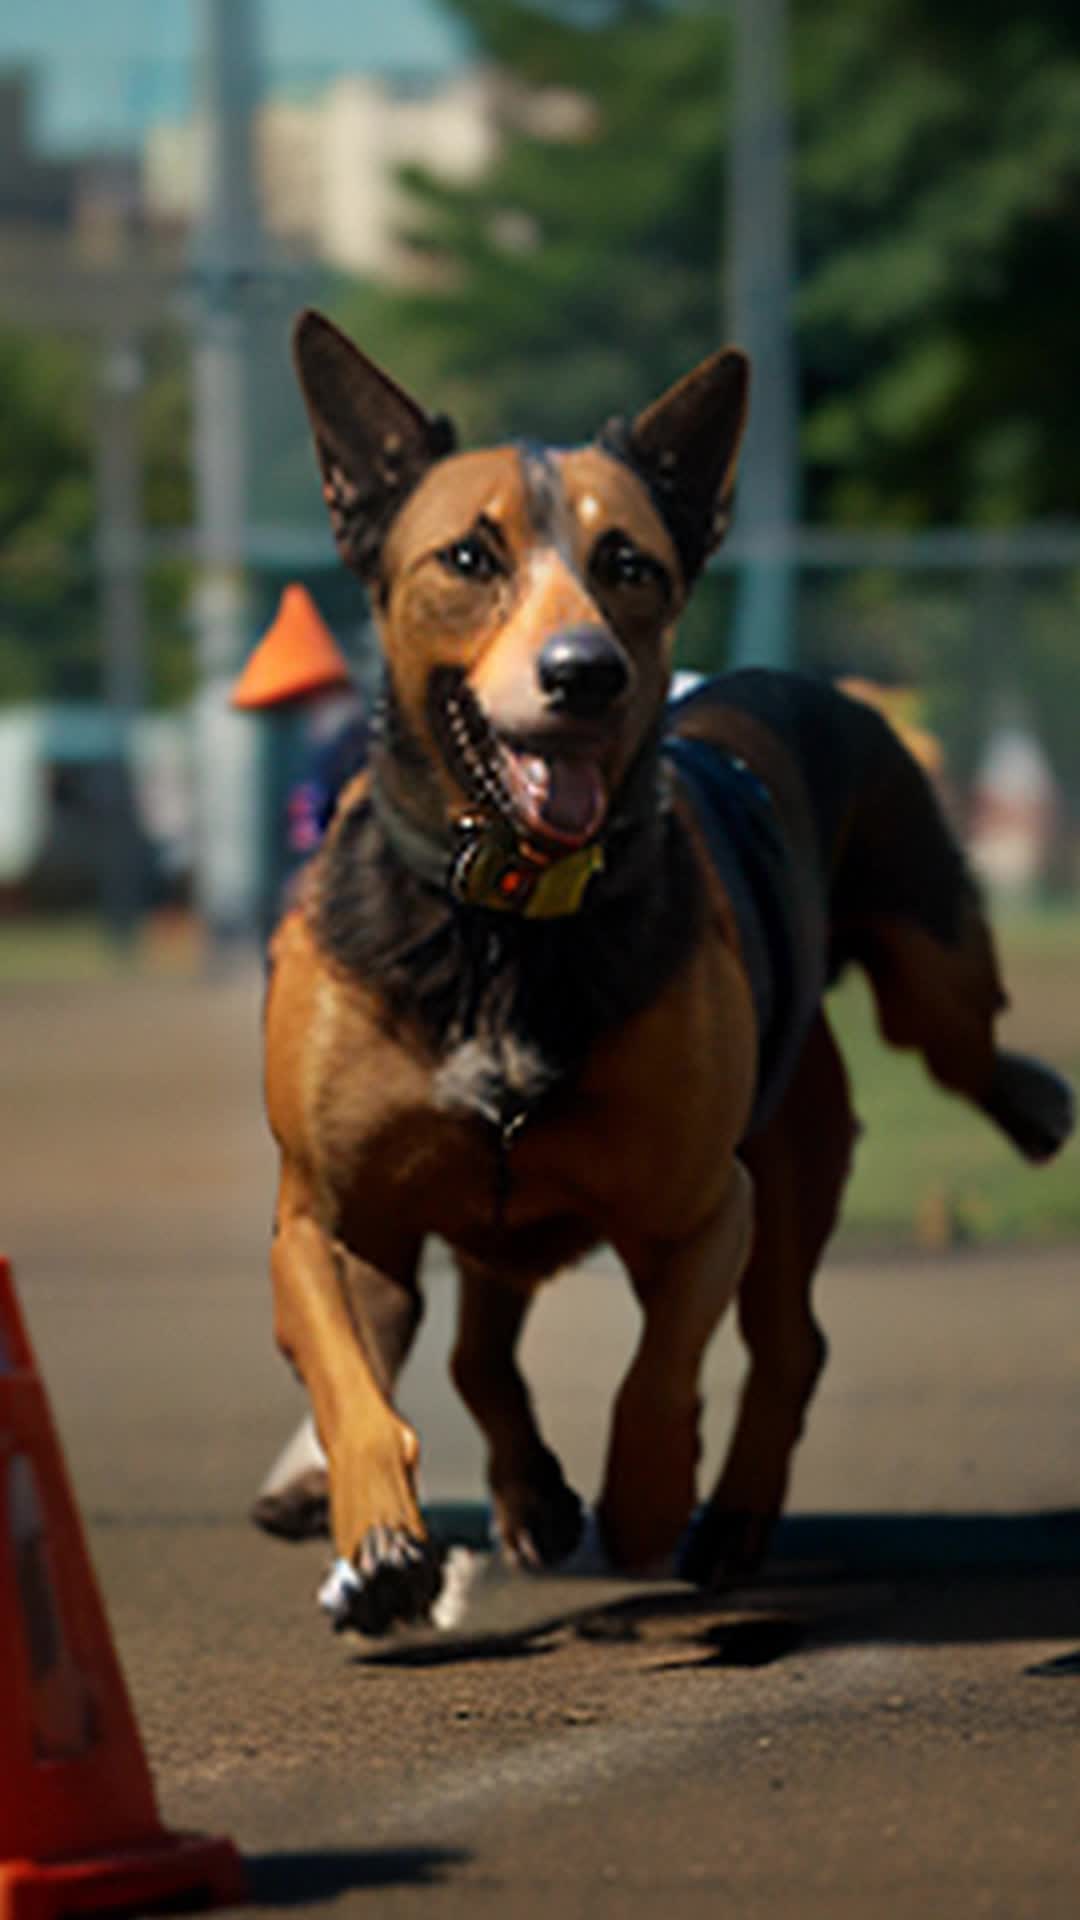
{"x": 298, "y": 675}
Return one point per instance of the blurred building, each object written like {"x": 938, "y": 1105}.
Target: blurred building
{"x": 328, "y": 168}
{"x": 34, "y": 191}
{"x": 91, "y": 200}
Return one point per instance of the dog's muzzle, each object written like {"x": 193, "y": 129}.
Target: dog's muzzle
{"x": 548, "y": 788}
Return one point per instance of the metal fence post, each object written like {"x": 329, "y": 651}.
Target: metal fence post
{"x": 761, "y": 275}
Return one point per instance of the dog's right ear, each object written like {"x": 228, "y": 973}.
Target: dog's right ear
{"x": 374, "y": 444}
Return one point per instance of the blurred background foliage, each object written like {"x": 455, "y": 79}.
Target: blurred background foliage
{"x": 50, "y": 641}
{"x": 46, "y": 516}
{"x": 938, "y": 194}
{"x": 938, "y": 197}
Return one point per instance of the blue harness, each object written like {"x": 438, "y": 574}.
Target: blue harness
{"x": 738, "y": 822}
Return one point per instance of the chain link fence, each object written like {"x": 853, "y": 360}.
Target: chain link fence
{"x": 966, "y": 655}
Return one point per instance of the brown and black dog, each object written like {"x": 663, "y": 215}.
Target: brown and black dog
{"x": 555, "y": 978}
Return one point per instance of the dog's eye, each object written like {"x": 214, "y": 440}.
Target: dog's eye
{"x": 471, "y": 559}
{"x": 617, "y": 562}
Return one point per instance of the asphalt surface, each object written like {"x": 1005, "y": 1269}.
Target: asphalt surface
{"x": 888, "y": 1723}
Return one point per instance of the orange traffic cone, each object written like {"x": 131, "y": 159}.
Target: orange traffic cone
{"x": 297, "y": 655}
{"x": 79, "y": 1825}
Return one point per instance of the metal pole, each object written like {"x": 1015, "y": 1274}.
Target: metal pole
{"x": 761, "y": 277}
{"x": 228, "y": 254}
{"x": 120, "y": 561}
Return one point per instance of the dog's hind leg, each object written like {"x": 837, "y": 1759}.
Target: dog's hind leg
{"x": 942, "y": 1000}
{"x": 385, "y": 1312}
{"x": 905, "y": 906}
{"x": 538, "y": 1516}
{"x": 293, "y": 1501}
{"x": 799, "y": 1164}
{"x": 684, "y": 1289}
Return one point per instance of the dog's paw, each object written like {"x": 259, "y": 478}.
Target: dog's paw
{"x": 293, "y": 1502}
{"x": 299, "y": 1510}
{"x": 538, "y": 1522}
{"x": 394, "y": 1580}
{"x": 721, "y": 1548}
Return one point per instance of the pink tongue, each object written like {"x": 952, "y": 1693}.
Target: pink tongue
{"x": 574, "y": 797}
{"x": 565, "y": 796}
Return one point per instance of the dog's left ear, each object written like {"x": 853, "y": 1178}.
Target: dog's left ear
{"x": 373, "y": 442}
{"x": 685, "y": 446}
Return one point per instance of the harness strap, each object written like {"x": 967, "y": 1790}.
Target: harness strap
{"x": 747, "y": 848}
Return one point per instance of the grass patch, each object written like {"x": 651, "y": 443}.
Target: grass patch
{"x": 76, "y": 951}
{"x": 54, "y": 951}
{"x": 929, "y": 1169}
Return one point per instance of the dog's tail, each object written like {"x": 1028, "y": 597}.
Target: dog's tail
{"x": 1033, "y": 1105}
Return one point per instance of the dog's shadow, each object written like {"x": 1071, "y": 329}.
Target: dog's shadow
{"x": 517, "y": 1643}
{"x": 906, "y": 1579}
{"x": 832, "y": 1579}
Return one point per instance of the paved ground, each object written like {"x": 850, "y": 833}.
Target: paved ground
{"x": 888, "y": 1724}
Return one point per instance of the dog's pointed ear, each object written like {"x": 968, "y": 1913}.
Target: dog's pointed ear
{"x": 685, "y": 446}
{"x": 373, "y": 442}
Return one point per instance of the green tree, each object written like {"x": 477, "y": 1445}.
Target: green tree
{"x": 938, "y": 190}
{"x": 583, "y": 274}
{"x": 50, "y": 619}
{"x": 939, "y": 194}
{"x": 46, "y": 519}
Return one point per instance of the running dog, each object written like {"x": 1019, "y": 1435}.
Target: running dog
{"x": 555, "y": 979}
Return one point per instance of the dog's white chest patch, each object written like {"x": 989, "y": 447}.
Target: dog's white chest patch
{"x": 484, "y": 1077}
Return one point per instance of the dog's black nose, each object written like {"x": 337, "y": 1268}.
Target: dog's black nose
{"x": 582, "y": 671}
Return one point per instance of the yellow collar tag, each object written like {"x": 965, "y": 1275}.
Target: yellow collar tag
{"x": 561, "y": 888}
{"x": 498, "y": 876}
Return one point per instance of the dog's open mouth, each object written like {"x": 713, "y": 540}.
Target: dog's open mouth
{"x": 556, "y": 797}
{"x": 551, "y": 790}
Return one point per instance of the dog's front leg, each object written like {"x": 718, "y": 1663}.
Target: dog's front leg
{"x": 372, "y": 1452}
{"x": 684, "y": 1288}
{"x": 539, "y": 1517}
{"x": 294, "y": 1501}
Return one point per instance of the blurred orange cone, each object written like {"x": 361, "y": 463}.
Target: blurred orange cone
{"x": 296, "y": 655}
{"x": 79, "y": 1825}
